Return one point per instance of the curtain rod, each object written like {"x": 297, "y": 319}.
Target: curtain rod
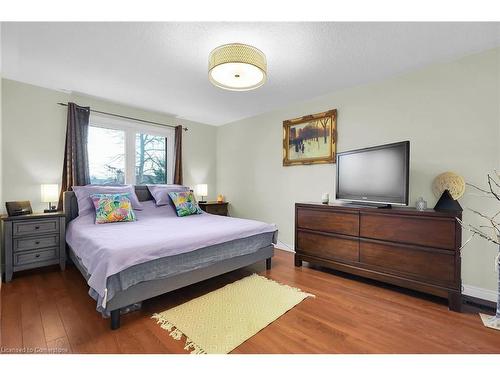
{"x": 128, "y": 118}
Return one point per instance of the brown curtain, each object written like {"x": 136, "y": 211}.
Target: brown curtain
{"x": 76, "y": 161}
{"x": 178, "y": 155}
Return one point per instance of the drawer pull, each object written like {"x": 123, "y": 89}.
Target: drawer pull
{"x": 37, "y": 242}
{"x": 37, "y": 227}
{"x": 37, "y": 256}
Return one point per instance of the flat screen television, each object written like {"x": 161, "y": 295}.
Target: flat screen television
{"x": 374, "y": 175}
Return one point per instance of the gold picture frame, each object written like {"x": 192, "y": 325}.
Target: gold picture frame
{"x": 310, "y": 139}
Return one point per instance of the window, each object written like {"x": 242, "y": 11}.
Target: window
{"x": 106, "y": 148}
{"x": 129, "y": 152}
{"x": 150, "y": 154}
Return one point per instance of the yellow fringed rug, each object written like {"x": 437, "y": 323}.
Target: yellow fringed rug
{"x": 223, "y": 319}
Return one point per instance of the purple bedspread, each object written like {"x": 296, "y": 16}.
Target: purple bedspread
{"x": 106, "y": 249}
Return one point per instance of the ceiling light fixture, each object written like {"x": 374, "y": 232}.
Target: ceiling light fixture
{"x": 237, "y": 67}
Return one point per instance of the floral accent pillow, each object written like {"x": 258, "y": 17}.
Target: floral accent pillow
{"x": 111, "y": 208}
{"x": 185, "y": 203}
{"x": 160, "y": 192}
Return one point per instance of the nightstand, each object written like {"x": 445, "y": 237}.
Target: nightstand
{"x": 32, "y": 241}
{"x": 214, "y": 208}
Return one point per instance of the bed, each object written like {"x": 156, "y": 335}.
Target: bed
{"x": 127, "y": 263}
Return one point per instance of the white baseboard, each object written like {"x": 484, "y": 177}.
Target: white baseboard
{"x": 284, "y": 246}
{"x": 474, "y": 291}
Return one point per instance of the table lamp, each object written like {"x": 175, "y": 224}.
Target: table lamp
{"x": 50, "y": 193}
{"x": 202, "y": 190}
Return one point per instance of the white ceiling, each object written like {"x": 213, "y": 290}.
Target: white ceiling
{"x": 163, "y": 66}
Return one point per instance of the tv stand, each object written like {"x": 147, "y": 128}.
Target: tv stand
{"x": 413, "y": 249}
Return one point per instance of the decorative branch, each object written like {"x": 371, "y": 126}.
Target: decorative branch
{"x": 486, "y": 192}
{"x": 476, "y": 231}
{"x": 493, "y": 184}
{"x": 495, "y": 194}
{"x": 494, "y": 225}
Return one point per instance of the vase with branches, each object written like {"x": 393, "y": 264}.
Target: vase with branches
{"x": 490, "y": 232}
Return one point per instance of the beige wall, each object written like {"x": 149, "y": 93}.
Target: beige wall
{"x": 34, "y": 129}
{"x": 449, "y": 112}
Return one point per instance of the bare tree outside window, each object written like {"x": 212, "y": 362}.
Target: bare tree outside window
{"x": 150, "y": 160}
{"x": 106, "y": 148}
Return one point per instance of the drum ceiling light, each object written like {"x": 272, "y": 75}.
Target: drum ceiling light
{"x": 237, "y": 67}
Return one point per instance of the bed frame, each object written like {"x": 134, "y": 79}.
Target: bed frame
{"x": 153, "y": 288}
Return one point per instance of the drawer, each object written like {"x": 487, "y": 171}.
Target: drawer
{"x": 44, "y": 255}
{"x": 217, "y": 210}
{"x": 434, "y": 232}
{"x": 328, "y": 246}
{"x": 38, "y": 242}
{"x": 328, "y": 221}
{"x": 415, "y": 262}
{"x": 29, "y": 227}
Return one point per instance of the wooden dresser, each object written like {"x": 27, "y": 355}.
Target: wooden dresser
{"x": 414, "y": 249}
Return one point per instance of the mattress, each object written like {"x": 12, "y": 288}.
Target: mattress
{"x": 159, "y": 244}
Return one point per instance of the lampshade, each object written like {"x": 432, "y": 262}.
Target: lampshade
{"x": 50, "y": 193}
{"x": 237, "y": 67}
{"x": 202, "y": 190}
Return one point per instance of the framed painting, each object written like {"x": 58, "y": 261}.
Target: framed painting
{"x": 310, "y": 139}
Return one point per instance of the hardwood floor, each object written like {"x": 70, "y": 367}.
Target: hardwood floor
{"x": 50, "y": 311}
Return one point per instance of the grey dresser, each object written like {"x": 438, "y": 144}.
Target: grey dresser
{"x": 32, "y": 241}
